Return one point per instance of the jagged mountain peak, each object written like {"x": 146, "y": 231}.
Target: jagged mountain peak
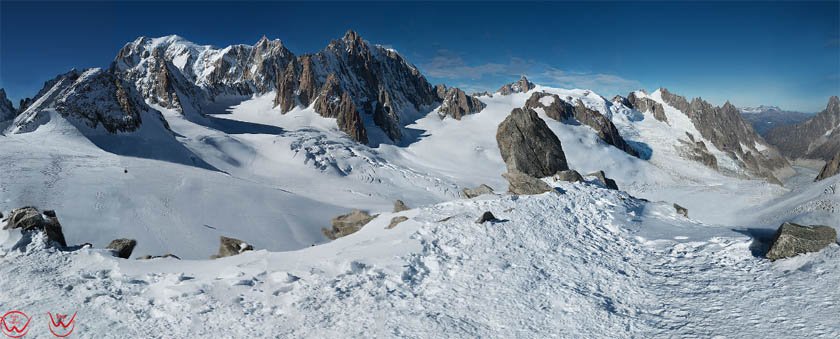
{"x": 7, "y": 109}
{"x": 520, "y": 86}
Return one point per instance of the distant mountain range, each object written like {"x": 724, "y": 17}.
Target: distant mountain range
{"x": 374, "y": 93}
{"x": 764, "y": 118}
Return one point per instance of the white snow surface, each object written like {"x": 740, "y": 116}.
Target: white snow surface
{"x": 580, "y": 262}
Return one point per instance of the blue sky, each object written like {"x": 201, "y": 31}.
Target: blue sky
{"x": 751, "y": 53}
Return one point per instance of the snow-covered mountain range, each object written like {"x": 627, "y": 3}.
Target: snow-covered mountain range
{"x": 765, "y": 118}
{"x": 176, "y": 144}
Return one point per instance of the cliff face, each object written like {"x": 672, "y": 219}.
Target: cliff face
{"x": 815, "y": 138}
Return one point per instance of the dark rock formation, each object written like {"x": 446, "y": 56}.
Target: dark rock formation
{"x": 697, "y": 151}
{"x": 400, "y": 206}
{"x": 285, "y": 99}
{"x": 346, "y": 224}
{"x": 603, "y": 126}
{"x": 167, "y": 255}
{"x": 396, "y": 221}
{"x": 30, "y": 219}
{"x": 681, "y": 210}
{"x": 569, "y": 175}
{"x": 527, "y": 145}
{"x": 470, "y": 193}
{"x": 94, "y": 99}
{"x": 7, "y": 109}
{"x": 122, "y": 247}
{"x": 560, "y": 110}
{"x": 524, "y": 184}
{"x": 520, "y": 86}
{"x": 455, "y": 103}
{"x": 231, "y": 246}
{"x": 647, "y": 105}
{"x": 727, "y": 130}
{"x": 831, "y": 168}
{"x": 816, "y": 138}
{"x": 332, "y": 102}
{"x": 792, "y": 239}
{"x": 485, "y": 217}
{"x": 607, "y": 182}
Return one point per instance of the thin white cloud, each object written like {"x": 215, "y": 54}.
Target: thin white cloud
{"x": 450, "y": 65}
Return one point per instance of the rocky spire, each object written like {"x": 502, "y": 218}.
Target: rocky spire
{"x": 333, "y": 102}
{"x": 520, "y": 86}
{"x": 455, "y": 103}
{"x": 7, "y": 110}
{"x": 285, "y": 98}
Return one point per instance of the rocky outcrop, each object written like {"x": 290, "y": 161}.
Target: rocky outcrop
{"x": 568, "y": 175}
{"x": 681, "y": 210}
{"x": 122, "y": 248}
{"x": 285, "y": 99}
{"x": 231, "y": 246}
{"x": 485, "y": 217}
{"x": 520, "y": 86}
{"x": 95, "y": 99}
{"x": 560, "y": 110}
{"x": 332, "y": 102}
{"x": 727, "y": 130}
{"x": 527, "y": 145}
{"x": 30, "y": 219}
{"x": 470, "y": 193}
{"x": 816, "y": 138}
{"x": 396, "y": 221}
{"x": 346, "y": 224}
{"x": 7, "y": 109}
{"x": 792, "y": 239}
{"x": 607, "y": 182}
{"x": 455, "y": 103}
{"x": 400, "y": 206}
{"x": 646, "y": 105}
{"x": 697, "y": 151}
{"x": 523, "y": 184}
{"x": 765, "y": 118}
{"x": 831, "y": 168}
{"x": 603, "y": 126}
{"x": 167, "y": 255}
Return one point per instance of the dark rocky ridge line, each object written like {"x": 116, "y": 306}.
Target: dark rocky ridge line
{"x": 561, "y": 110}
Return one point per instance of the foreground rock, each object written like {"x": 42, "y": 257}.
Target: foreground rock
{"x": 400, "y": 206}
{"x": 792, "y": 239}
{"x": 30, "y": 219}
{"x": 470, "y": 193}
{"x": 396, "y": 221}
{"x": 122, "y": 247}
{"x": 831, "y": 168}
{"x": 608, "y": 183}
{"x": 523, "y": 184}
{"x": 569, "y": 175}
{"x": 346, "y": 224}
{"x": 231, "y": 246}
{"x": 527, "y": 145}
{"x": 485, "y": 217}
{"x": 167, "y": 255}
{"x": 681, "y": 210}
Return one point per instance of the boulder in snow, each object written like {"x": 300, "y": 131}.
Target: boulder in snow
{"x": 31, "y": 219}
{"x": 523, "y": 184}
{"x": 485, "y": 217}
{"x": 122, "y": 247}
{"x": 792, "y": 239}
{"x": 231, "y": 246}
{"x": 608, "y": 183}
{"x": 568, "y": 175}
{"x": 470, "y": 193}
{"x": 400, "y": 206}
{"x": 396, "y": 221}
{"x": 681, "y": 210}
{"x": 527, "y": 145}
{"x": 167, "y": 255}
{"x": 346, "y": 224}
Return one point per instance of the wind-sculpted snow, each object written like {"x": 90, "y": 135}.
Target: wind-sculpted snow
{"x": 587, "y": 263}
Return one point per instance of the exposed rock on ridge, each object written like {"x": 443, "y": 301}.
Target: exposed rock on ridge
{"x": 520, "y": 86}
{"x": 816, "y": 138}
{"x": 527, "y": 145}
{"x": 831, "y": 168}
{"x": 455, "y": 103}
{"x": 7, "y": 110}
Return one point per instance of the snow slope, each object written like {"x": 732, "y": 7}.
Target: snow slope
{"x": 587, "y": 262}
